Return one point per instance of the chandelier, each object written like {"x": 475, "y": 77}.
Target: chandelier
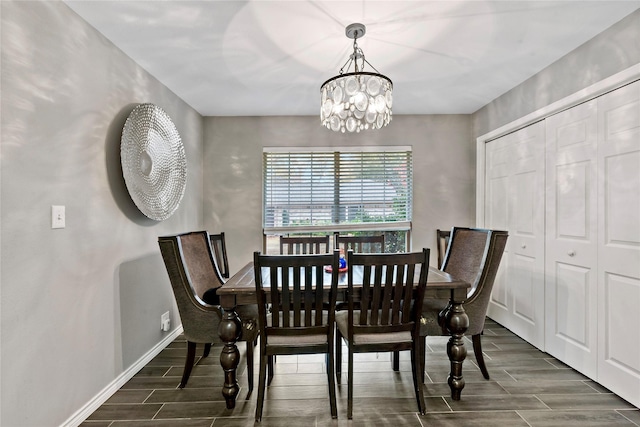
{"x": 358, "y": 100}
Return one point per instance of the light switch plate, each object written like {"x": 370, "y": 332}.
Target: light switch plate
{"x": 57, "y": 217}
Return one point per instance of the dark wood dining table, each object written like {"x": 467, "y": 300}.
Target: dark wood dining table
{"x": 240, "y": 289}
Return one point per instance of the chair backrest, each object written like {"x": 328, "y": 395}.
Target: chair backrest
{"x": 189, "y": 263}
{"x": 294, "y": 286}
{"x": 442, "y": 237}
{"x": 393, "y": 287}
{"x": 474, "y": 255}
{"x": 219, "y": 247}
{"x": 360, "y": 244}
{"x": 304, "y": 245}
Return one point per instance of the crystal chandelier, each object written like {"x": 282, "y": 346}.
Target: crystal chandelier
{"x": 354, "y": 101}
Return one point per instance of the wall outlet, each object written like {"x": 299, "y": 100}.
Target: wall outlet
{"x": 165, "y": 322}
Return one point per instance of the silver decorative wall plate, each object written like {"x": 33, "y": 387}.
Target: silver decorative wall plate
{"x": 154, "y": 164}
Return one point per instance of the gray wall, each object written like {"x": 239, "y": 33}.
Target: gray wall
{"x": 444, "y": 171}
{"x": 78, "y": 305}
{"x": 610, "y": 52}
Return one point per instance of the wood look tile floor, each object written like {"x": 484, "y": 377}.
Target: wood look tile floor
{"x": 527, "y": 388}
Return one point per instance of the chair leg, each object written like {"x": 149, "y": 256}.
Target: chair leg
{"x": 422, "y": 356}
{"x": 188, "y": 364}
{"x": 477, "y": 349}
{"x": 250, "y": 349}
{"x": 396, "y": 361}
{"x": 262, "y": 377}
{"x": 332, "y": 382}
{"x": 207, "y": 349}
{"x": 350, "y": 385}
{"x": 270, "y": 361}
{"x": 415, "y": 370}
{"x": 338, "y": 354}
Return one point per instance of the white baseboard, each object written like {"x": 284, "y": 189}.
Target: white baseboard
{"x": 89, "y": 408}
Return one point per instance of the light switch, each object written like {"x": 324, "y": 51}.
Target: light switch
{"x": 57, "y": 217}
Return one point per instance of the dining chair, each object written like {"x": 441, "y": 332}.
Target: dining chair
{"x": 442, "y": 238}
{"x": 294, "y": 287}
{"x": 219, "y": 246}
{"x": 301, "y": 245}
{"x": 304, "y": 245}
{"x": 360, "y": 244}
{"x": 474, "y": 256}
{"x": 385, "y": 316}
{"x": 188, "y": 259}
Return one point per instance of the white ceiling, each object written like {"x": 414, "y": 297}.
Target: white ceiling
{"x": 260, "y": 58}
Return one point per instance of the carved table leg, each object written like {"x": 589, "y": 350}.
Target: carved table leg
{"x": 457, "y": 323}
{"x": 229, "y": 331}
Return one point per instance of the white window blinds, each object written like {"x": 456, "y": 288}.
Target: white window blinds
{"x": 326, "y": 188}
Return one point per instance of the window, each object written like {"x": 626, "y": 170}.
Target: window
{"x": 335, "y": 190}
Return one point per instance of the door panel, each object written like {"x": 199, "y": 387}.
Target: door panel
{"x": 619, "y": 242}
{"x": 515, "y": 202}
{"x": 497, "y": 208}
{"x": 572, "y": 318}
{"x": 622, "y": 294}
{"x": 570, "y": 237}
{"x": 526, "y": 234}
{"x": 523, "y": 284}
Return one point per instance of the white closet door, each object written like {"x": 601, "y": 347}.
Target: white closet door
{"x": 571, "y": 238}
{"x": 619, "y": 242}
{"x": 498, "y": 154}
{"x": 526, "y": 234}
{"x": 515, "y": 202}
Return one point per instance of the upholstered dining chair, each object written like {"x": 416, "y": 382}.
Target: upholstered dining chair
{"x": 385, "y": 316}
{"x": 304, "y": 245}
{"x": 360, "y": 244}
{"x": 219, "y": 246}
{"x": 188, "y": 259}
{"x": 474, "y": 256}
{"x": 442, "y": 240}
{"x": 294, "y": 287}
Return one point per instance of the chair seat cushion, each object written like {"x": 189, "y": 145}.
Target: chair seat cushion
{"x": 297, "y": 340}
{"x": 294, "y": 340}
{"x": 342, "y": 322}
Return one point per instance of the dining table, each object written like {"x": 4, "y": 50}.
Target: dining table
{"x": 240, "y": 289}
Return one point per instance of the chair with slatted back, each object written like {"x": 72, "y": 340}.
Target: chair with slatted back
{"x": 360, "y": 244}
{"x": 385, "y": 316}
{"x": 294, "y": 287}
{"x": 219, "y": 246}
{"x": 188, "y": 259}
{"x": 442, "y": 238}
{"x": 474, "y": 256}
{"x": 304, "y": 245}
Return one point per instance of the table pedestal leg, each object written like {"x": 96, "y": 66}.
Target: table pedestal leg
{"x": 457, "y": 323}
{"x": 229, "y": 331}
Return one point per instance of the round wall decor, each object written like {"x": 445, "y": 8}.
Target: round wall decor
{"x": 154, "y": 164}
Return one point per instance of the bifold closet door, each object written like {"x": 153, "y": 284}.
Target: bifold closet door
{"x": 515, "y": 202}
{"x": 571, "y": 237}
{"x": 497, "y": 177}
{"x": 619, "y": 242}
